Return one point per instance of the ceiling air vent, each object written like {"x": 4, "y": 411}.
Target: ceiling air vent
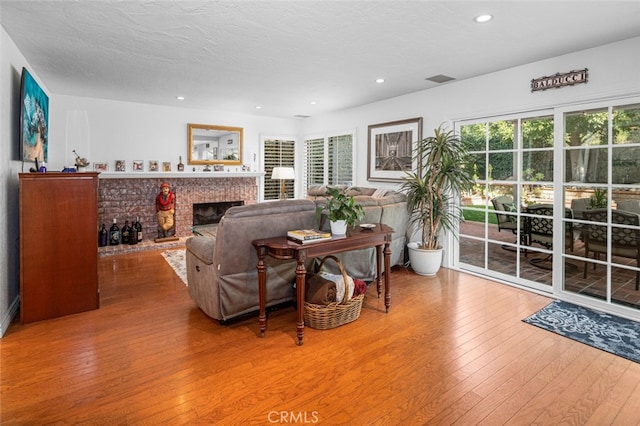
{"x": 440, "y": 78}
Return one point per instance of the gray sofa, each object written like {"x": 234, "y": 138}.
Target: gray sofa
{"x": 221, "y": 270}
{"x": 380, "y": 206}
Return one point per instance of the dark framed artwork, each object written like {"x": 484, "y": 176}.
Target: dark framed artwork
{"x": 390, "y": 147}
{"x": 34, "y": 120}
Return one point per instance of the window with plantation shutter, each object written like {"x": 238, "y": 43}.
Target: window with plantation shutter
{"x": 328, "y": 160}
{"x": 278, "y": 153}
{"x": 314, "y": 162}
{"x": 340, "y": 162}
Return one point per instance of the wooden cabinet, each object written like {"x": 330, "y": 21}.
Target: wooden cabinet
{"x": 58, "y": 244}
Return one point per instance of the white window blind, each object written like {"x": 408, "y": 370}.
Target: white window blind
{"x": 278, "y": 153}
{"x": 341, "y": 160}
{"x": 328, "y": 161}
{"x": 314, "y": 162}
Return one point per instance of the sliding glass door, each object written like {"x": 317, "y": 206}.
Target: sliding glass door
{"x": 601, "y": 154}
{"x": 512, "y": 167}
{"x": 555, "y": 202}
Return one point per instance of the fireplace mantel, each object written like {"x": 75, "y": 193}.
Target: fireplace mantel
{"x": 174, "y": 175}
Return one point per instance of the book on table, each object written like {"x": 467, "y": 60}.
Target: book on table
{"x": 306, "y": 236}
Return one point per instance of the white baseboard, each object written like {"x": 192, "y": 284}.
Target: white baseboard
{"x": 6, "y": 321}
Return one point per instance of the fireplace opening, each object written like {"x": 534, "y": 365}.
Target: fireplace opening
{"x": 208, "y": 214}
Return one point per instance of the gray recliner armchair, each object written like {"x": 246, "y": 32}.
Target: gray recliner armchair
{"x": 221, "y": 270}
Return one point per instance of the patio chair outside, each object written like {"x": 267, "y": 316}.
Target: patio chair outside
{"x": 632, "y": 206}
{"x": 504, "y": 203}
{"x": 624, "y": 241}
{"x": 540, "y": 230}
{"x": 579, "y": 206}
{"x": 541, "y": 226}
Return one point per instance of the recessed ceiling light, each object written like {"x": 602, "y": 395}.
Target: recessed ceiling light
{"x": 180, "y": 98}
{"x": 258, "y": 107}
{"x": 483, "y": 18}
{"x": 379, "y": 80}
{"x": 313, "y": 102}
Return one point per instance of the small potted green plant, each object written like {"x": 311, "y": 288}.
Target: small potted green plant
{"x": 342, "y": 210}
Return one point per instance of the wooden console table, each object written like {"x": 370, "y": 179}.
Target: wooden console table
{"x": 284, "y": 249}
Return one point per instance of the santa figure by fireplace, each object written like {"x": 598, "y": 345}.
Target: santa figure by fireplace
{"x": 165, "y": 210}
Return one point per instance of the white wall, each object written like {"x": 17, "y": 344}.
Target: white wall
{"x": 104, "y": 131}
{"x": 613, "y": 73}
{"x": 11, "y": 64}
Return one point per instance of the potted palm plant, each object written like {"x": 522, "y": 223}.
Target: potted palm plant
{"x": 432, "y": 190}
{"x": 342, "y": 210}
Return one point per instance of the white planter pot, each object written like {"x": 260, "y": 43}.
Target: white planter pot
{"x": 424, "y": 262}
{"x": 339, "y": 227}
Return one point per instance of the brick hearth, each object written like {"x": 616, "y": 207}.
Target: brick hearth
{"x": 129, "y": 197}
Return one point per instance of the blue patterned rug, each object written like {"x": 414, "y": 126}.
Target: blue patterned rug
{"x": 610, "y": 333}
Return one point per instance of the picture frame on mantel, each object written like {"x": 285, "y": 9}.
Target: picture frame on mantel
{"x": 390, "y": 149}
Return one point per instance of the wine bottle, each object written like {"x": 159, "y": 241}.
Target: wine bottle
{"x": 138, "y": 227}
{"x": 180, "y": 165}
{"x": 114, "y": 234}
{"x": 133, "y": 234}
{"x": 103, "y": 236}
{"x": 126, "y": 231}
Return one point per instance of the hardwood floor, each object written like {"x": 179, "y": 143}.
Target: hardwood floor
{"x": 452, "y": 349}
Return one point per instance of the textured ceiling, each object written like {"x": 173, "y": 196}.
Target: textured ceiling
{"x": 281, "y": 55}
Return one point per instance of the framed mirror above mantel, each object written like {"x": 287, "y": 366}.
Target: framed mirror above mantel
{"x": 212, "y": 144}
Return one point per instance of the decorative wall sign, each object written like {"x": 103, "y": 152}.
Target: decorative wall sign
{"x": 560, "y": 80}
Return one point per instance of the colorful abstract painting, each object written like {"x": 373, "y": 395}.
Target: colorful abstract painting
{"x": 34, "y": 120}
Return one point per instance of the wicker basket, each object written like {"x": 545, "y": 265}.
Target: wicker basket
{"x": 324, "y": 317}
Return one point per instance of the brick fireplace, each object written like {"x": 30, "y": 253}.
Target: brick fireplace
{"x": 131, "y": 196}
{"x": 211, "y": 213}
